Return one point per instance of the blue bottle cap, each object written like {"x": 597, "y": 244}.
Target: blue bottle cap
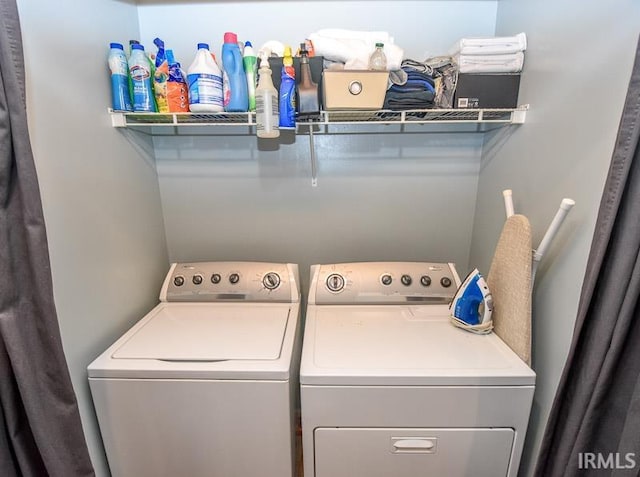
{"x": 203, "y": 45}
{"x": 116, "y": 45}
{"x": 137, "y": 46}
{"x": 248, "y": 43}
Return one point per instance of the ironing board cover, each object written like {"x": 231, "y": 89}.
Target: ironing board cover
{"x": 509, "y": 280}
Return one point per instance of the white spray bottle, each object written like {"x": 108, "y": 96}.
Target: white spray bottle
{"x": 267, "y": 112}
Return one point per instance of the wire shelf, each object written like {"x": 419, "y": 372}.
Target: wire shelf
{"x": 420, "y": 116}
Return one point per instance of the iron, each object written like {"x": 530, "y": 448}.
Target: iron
{"x": 472, "y": 304}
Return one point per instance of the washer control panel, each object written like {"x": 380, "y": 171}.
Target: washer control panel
{"x": 231, "y": 281}
{"x": 383, "y": 282}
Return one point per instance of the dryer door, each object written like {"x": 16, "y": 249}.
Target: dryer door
{"x": 406, "y": 452}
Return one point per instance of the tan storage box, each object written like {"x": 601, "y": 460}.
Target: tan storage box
{"x": 354, "y": 89}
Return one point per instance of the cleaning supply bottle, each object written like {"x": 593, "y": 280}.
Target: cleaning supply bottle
{"x": 287, "y": 99}
{"x": 378, "y": 60}
{"x": 250, "y": 62}
{"x": 177, "y": 91}
{"x": 140, "y": 72}
{"x": 307, "y": 99}
{"x": 266, "y": 103}
{"x": 120, "y": 95}
{"x": 204, "y": 79}
{"x": 237, "y": 98}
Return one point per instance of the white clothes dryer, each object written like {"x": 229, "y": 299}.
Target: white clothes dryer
{"x": 205, "y": 383}
{"x": 389, "y": 387}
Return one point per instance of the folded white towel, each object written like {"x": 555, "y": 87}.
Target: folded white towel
{"x": 511, "y": 63}
{"x": 491, "y": 46}
{"x": 353, "y": 48}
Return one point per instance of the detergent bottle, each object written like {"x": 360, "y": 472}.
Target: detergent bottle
{"x": 266, "y": 103}
{"x": 120, "y": 95}
{"x": 287, "y": 98}
{"x": 204, "y": 79}
{"x": 237, "y": 98}
{"x": 140, "y": 73}
{"x": 250, "y": 62}
{"x": 177, "y": 91}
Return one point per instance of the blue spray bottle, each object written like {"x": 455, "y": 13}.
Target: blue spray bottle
{"x": 287, "y": 99}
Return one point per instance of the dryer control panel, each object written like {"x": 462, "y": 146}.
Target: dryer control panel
{"x": 232, "y": 281}
{"x": 383, "y": 283}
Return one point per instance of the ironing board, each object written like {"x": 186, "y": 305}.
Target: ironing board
{"x": 509, "y": 280}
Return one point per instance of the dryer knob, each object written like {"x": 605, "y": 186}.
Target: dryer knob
{"x": 445, "y": 282}
{"x": 406, "y": 280}
{"x": 335, "y": 282}
{"x": 178, "y": 281}
{"x": 215, "y": 278}
{"x": 425, "y": 280}
{"x": 234, "y": 278}
{"x": 386, "y": 279}
{"x": 271, "y": 281}
{"x": 197, "y": 279}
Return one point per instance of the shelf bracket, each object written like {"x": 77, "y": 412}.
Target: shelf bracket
{"x": 118, "y": 120}
{"x": 312, "y": 151}
{"x": 518, "y": 115}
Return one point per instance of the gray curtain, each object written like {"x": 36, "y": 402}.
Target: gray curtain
{"x": 40, "y": 431}
{"x": 594, "y": 425}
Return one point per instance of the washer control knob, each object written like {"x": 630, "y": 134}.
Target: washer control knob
{"x": 445, "y": 282}
{"x": 425, "y": 280}
{"x": 234, "y": 278}
{"x": 386, "y": 279}
{"x": 215, "y": 278}
{"x": 271, "y": 281}
{"x": 406, "y": 280}
{"x": 335, "y": 282}
{"x": 178, "y": 280}
{"x": 197, "y": 279}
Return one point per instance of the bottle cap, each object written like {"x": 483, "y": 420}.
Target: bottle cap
{"x": 287, "y": 59}
{"x": 230, "y": 38}
{"x": 116, "y": 45}
{"x": 134, "y": 42}
{"x": 379, "y": 45}
{"x": 137, "y": 46}
{"x": 248, "y": 49}
{"x": 203, "y": 45}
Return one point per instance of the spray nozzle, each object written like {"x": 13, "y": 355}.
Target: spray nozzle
{"x": 264, "y": 60}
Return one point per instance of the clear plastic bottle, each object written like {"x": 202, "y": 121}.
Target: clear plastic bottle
{"x": 120, "y": 96}
{"x": 378, "y": 60}
{"x": 267, "y": 117}
{"x": 204, "y": 79}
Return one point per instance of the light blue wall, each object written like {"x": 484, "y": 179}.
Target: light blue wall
{"x": 422, "y": 28}
{"x": 576, "y": 74}
{"x": 100, "y": 193}
{"x": 379, "y": 196}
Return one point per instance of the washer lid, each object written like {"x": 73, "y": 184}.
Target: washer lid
{"x": 403, "y": 345}
{"x": 189, "y": 333}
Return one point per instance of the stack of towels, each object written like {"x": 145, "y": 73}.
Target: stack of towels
{"x": 491, "y": 55}
{"x": 416, "y": 90}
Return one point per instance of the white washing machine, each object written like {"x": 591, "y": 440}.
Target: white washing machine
{"x": 390, "y": 388}
{"x": 205, "y": 383}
